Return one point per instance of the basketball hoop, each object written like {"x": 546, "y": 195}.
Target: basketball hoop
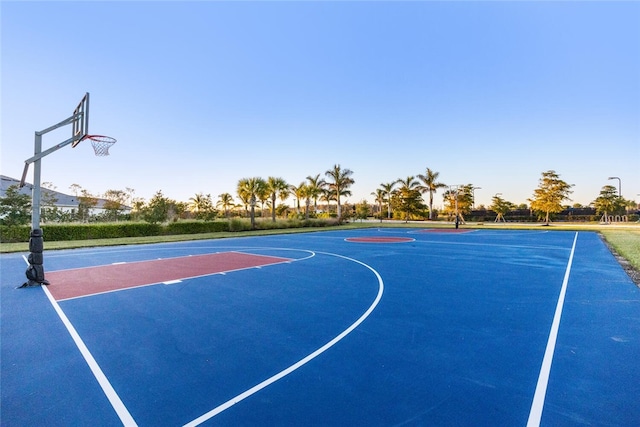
{"x": 101, "y": 144}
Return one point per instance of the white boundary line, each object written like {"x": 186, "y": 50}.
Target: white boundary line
{"x": 107, "y": 388}
{"x": 535, "y": 415}
{"x": 438, "y": 230}
{"x": 301, "y": 362}
{"x": 409, "y": 239}
{"x": 114, "y": 399}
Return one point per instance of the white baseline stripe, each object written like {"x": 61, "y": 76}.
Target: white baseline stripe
{"x": 300, "y": 363}
{"x": 535, "y": 415}
{"x": 114, "y": 399}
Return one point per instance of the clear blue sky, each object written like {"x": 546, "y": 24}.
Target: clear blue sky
{"x": 202, "y": 94}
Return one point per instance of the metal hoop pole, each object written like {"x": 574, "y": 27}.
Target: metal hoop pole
{"x": 35, "y": 271}
{"x": 37, "y": 169}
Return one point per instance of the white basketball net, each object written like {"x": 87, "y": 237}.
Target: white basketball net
{"x": 101, "y": 144}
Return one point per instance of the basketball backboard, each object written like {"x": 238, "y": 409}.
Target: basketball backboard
{"x": 80, "y": 123}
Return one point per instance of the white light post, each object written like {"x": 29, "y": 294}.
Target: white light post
{"x": 619, "y": 185}
{"x": 473, "y": 196}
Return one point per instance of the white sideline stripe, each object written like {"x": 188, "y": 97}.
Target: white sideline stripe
{"x": 300, "y": 363}
{"x": 535, "y": 415}
{"x": 114, "y": 399}
{"x": 118, "y": 263}
{"x": 172, "y": 282}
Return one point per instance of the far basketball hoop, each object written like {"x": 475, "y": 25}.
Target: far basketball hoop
{"x": 101, "y": 144}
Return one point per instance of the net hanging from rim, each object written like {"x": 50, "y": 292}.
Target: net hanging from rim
{"x": 101, "y": 144}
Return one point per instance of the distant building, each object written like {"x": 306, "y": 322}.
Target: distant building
{"x": 64, "y": 202}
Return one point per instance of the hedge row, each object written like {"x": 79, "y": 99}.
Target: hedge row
{"x": 61, "y": 232}
{"x": 194, "y": 227}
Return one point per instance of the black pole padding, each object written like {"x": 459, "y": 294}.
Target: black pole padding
{"x": 35, "y": 258}
{"x": 35, "y": 270}
{"x": 36, "y": 241}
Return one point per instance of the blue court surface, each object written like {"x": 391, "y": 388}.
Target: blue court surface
{"x": 370, "y": 327}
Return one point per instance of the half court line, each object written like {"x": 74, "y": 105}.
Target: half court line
{"x": 535, "y": 415}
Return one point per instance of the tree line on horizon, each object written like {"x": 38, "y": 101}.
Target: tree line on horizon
{"x": 406, "y": 198}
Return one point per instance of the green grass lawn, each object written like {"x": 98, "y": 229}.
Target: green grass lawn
{"x": 626, "y": 243}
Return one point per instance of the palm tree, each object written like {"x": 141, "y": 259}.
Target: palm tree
{"x": 243, "y": 193}
{"x": 388, "y": 189}
{"x": 195, "y": 202}
{"x": 299, "y": 192}
{"x": 225, "y": 200}
{"x": 379, "y": 198}
{"x": 327, "y": 195}
{"x": 430, "y": 185}
{"x": 264, "y": 199}
{"x": 316, "y": 184}
{"x": 276, "y": 186}
{"x": 283, "y": 195}
{"x": 201, "y": 206}
{"x": 248, "y": 190}
{"x": 409, "y": 196}
{"x": 307, "y": 194}
{"x": 340, "y": 186}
